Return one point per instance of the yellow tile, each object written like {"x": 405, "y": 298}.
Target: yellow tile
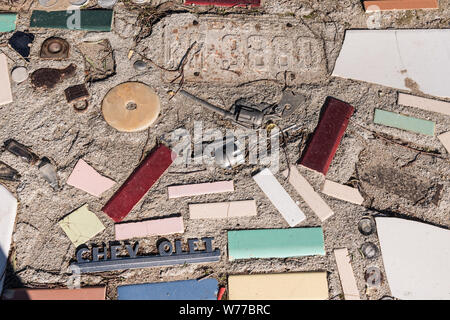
{"x": 282, "y": 286}
{"x": 81, "y": 225}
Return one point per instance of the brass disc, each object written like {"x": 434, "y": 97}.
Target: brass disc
{"x": 131, "y": 107}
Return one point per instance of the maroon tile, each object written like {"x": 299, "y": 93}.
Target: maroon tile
{"x": 225, "y": 3}
{"x": 328, "y": 134}
{"x": 140, "y": 181}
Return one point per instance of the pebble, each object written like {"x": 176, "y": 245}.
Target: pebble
{"x": 19, "y": 74}
{"x": 107, "y": 4}
{"x": 140, "y": 65}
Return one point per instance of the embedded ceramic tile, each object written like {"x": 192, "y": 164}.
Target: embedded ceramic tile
{"x": 81, "y": 225}
{"x": 403, "y": 122}
{"x": 85, "y": 177}
{"x": 306, "y": 191}
{"x": 424, "y": 103}
{"x": 415, "y": 60}
{"x": 176, "y": 290}
{"x": 8, "y": 211}
{"x": 218, "y": 210}
{"x": 346, "y": 275}
{"x": 190, "y": 190}
{"x": 342, "y": 192}
{"x": 275, "y": 243}
{"x": 163, "y": 226}
{"x": 279, "y": 197}
{"x": 282, "y": 286}
{"x": 416, "y": 258}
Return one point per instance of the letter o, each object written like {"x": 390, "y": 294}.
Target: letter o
{"x": 161, "y": 248}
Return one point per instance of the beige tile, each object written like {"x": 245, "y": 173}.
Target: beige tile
{"x": 311, "y": 197}
{"x": 283, "y": 286}
{"x": 346, "y": 275}
{"x": 341, "y": 192}
{"x": 223, "y": 209}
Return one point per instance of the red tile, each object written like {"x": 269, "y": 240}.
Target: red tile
{"x": 138, "y": 184}
{"x": 225, "y": 3}
{"x": 327, "y": 136}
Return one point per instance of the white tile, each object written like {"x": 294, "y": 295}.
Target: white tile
{"x": 5, "y": 84}
{"x": 279, "y": 197}
{"x": 416, "y": 258}
{"x": 8, "y": 211}
{"x": 390, "y": 57}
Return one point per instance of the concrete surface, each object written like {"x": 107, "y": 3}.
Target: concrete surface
{"x": 41, "y": 252}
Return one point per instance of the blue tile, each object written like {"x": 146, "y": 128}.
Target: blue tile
{"x": 176, "y": 290}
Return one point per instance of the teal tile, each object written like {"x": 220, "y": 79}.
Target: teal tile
{"x": 7, "y": 22}
{"x": 275, "y": 243}
{"x": 90, "y": 20}
{"x": 399, "y": 121}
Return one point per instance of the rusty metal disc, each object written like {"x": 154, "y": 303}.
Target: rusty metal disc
{"x": 131, "y": 107}
{"x": 55, "y": 48}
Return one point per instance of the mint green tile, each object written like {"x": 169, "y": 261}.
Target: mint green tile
{"x": 399, "y": 121}
{"x": 275, "y": 243}
{"x": 91, "y": 20}
{"x": 7, "y": 22}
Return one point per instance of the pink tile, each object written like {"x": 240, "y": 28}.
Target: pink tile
{"x": 190, "y": 190}
{"x": 85, "y": 177}
{"x": 147, "y": 228}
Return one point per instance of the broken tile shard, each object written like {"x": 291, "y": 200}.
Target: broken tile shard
{"x": 399, "y": 121}
{"x": 21, "y": 42}
{"x": 309, "y": 195}
{"x": 156, "y": 227}
{"x": 99, "y": 62}
{"x": 81, "y": 225}
{"x": 8, "y": 211}
{"x": 424, "y": 103}
{"x": 8, "y": 173}
{"x": 346, "y": 275}
{"x": 414, "y": 60}
{"x": 8, "y": 22}
{"x": 445, "y": 140}
{"x": 275, "y": 243}
{"x": 219, "y": 210}
{"x": 97, "y": 293}
{"x": 5, "y": 83}
{"x": 327, "y": 136}
{"x": 86, "y": 178}
{"x": 88, "y": 20}
{"x": 176, "y": 290}
{"x": 190, "y": 190}
{"x": 281, "y": 286}
{"x": 138, "y": 184}
{"x": 225, "y": 3}
{"x": 279, "y": 197}
{"x": 21, "y": 151}
{"x": 48, "y": 172}
{"x": 342, "y": 192}
{"x": 48, "y": 77}
{"x": 388, "y": 5}
{"x": 416, "y": 258}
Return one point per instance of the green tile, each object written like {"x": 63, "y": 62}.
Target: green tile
{"x": 7, "y": 22}
{"x": 91, "y": 20}
{"x": 399, "y": 121}
{"x": 275, "y": 243}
